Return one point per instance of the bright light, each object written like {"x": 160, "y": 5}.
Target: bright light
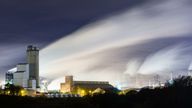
{"x": 82, "y": 93}
{"x": 23, "y": 92}
{"x": 8, "y": 92}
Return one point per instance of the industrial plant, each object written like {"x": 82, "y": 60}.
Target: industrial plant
{"x": 26, "y": 75}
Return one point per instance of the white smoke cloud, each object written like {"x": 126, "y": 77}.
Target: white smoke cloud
{"x": 165, "y": 60}
{"x": 153, "y": 20}
{"x": 133, "y": 67}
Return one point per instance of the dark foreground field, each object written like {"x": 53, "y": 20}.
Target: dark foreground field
{"x": 178, "y": 95}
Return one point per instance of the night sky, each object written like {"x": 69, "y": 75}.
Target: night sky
{"x": 41, "y": 22}
{"x": 111, "y": 40}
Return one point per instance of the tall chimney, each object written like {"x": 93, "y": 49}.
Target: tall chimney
{"x": 33, "y": 61}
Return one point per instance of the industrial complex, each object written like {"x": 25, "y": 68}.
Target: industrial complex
{"x": 26, "y": 75}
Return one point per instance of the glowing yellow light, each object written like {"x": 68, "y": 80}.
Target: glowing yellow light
{"x": 82, "y": 93}
{"x": 121, "y": 93}
{"x": 8, "y": 92}
{"x": 23, "y": 92}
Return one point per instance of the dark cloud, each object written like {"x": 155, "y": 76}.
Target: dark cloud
{"x": 48, "y": 20}
{"x": 41, "y": 22}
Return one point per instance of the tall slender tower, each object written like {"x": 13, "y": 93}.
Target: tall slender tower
{"x": 33, "y": 61}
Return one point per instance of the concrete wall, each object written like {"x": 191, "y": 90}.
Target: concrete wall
{"x": 24, "y": 69}
{"x": 68, "y": 85}
{"x": 18, "y": 79}
{"x": 65, "y": 87}
{"x": 32, "y": 84}
{"x": 21, "y": 67}
{"x": 26, "y": 76}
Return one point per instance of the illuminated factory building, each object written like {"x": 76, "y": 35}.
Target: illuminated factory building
{"x": 84, "y": 87}
{"x": 26, "y": 74}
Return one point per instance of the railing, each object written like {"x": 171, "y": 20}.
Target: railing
{"x": 57, "y": 95}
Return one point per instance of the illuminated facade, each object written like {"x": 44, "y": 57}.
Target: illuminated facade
{"x": 20, "y": 77}
{"x": 27, "y": 74}
{"x": 83, "y": 87}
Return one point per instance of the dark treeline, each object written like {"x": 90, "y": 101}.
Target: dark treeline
{"x": 176, "y": 95}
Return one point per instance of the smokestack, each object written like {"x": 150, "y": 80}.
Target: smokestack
{"x": 33, "y": 61}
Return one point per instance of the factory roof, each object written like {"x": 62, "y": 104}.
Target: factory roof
{"x": 32, "y": 48}
{"x": 22, "y": 63}
{"x": 92, "y": 85}
{"x": 90, "y": 82}
{"x": 20, "y": 72}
